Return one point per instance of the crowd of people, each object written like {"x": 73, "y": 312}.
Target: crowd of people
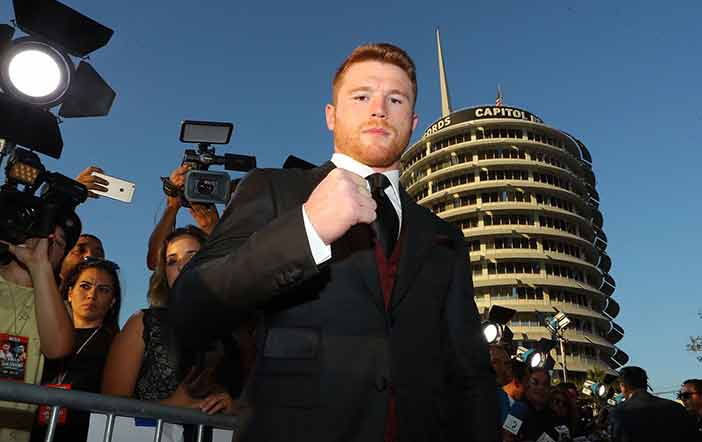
{"x": 535, "y": 408}
{"x": 60, "y": 301}
{"x": 324, "y": 299}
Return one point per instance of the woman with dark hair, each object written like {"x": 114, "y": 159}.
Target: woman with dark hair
{"x": 144, "y": 360}
{"x": 93, "y": 296}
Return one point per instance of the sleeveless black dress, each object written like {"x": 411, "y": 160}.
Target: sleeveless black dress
{"x": 158, "y": 376}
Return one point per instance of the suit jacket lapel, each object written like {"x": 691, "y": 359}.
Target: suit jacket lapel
{"x": 418, "y": 237}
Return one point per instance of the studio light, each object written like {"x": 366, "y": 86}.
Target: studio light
{"x": 495, "y": 328}
{"x": 558, "y": 322}
{"x": 537, "y": 357}
{"x": 529, "y": 356}
{"x": 37, "y": 73}
{"x": 596, "y": 389}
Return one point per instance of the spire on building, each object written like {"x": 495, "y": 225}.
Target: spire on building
{"x": 445, "y": 99}
{"x": 499, "y": 101}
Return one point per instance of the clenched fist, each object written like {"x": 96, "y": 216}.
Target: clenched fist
{"x": 339, "y": 202}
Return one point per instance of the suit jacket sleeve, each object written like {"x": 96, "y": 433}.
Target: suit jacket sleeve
{"x": 256, "y": 252}
{"x": 473, "y": 396}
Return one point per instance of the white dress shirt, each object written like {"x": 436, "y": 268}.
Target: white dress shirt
{"x": 321, "y": 251}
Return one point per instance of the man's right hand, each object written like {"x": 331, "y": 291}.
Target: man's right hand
{"x": 177, "y": 178}
{"x": 339, "y": 202}
{"x": 91, "y": 181}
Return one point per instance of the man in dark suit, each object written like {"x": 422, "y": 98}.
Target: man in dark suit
{"x": 643, "y": 417}
{"x": 369, "y": 330}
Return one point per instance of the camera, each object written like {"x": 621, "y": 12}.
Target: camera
{"x": 201, "y": 184}
{"x": 26, "y": 213}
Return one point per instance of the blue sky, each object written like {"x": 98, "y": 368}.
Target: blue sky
{"x": 621, "y": 76}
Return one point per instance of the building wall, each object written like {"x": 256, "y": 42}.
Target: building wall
{"x": 523, "y": 193}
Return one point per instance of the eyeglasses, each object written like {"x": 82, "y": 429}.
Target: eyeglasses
{"x": 685, "y": 395}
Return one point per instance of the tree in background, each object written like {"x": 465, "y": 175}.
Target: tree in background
{"x": 695, "y": 344}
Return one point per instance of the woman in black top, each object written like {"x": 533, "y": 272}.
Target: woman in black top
{"x": 93, "y": 294}
{"x": 144, "y": 361}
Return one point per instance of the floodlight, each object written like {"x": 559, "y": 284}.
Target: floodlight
{"x": 529, "y": 356}
{"x": 38, "y": 73}
{"x": 596, "y": 389}
{"x": 558, "y": 322}
{"x": 495, "y": 328}
{"x": 539, "y": 355}
{"x": 35, "y": 72}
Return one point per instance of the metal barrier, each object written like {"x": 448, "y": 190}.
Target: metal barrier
{"x": 112, "y": 406}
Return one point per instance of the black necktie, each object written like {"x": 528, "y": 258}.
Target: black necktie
{"x": 386, "y": 224}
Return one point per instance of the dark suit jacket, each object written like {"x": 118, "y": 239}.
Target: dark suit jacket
{"x": 329, "y": 351}
{"x": 647, "y": 418}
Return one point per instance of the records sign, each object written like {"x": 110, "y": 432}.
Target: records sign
{"x": 481, "y": 113}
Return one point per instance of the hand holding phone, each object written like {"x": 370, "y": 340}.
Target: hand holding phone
{"x": 117, "y": 188}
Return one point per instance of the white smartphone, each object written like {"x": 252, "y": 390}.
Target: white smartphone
{"x": 116, "y": 188}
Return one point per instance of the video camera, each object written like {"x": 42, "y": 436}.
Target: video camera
{"x": 26, "y": 215}
{"x": 201, "y": 184}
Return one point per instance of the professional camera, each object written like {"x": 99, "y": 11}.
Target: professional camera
{"x": 201, "y": 184}
{"x": 25, "y": 214}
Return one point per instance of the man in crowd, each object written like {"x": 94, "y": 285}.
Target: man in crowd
{"x": 691, "y": 395}
{"x": 499, "y": 359}
{"x": 371, "y": 331}
{"x": 516, "y": 387}
{"x": 540, "y": 419}
{"x": 643, "y": 417}
{"x": 88, "y": 246}
{"x": 33, "y": 315}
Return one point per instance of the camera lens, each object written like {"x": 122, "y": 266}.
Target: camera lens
{"x": 205, "y": 187}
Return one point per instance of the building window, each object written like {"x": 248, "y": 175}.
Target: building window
{"x": 508, "y": 219}
{"x": 474, "y": 245}
{"x": 514, "y": 243}
{"x": 504, "y": 267}
{"x": 505, "y": 196}
{"x": 453, "y": 181}
{"x": 504, "y": 174}
{"x": 562, "y": 247}
{"x": 423, "y": 193}
{"x": 467, "y": 223}
{"x": 557, "y": 223}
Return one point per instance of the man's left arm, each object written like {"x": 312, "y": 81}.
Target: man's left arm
{"x": 474, "y": 396}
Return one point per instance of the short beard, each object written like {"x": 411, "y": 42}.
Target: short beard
{"x": 349, "y": 144}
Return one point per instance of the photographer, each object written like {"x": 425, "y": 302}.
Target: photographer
{"x": 205, "y": 215}
{"x": 32, "y": 315}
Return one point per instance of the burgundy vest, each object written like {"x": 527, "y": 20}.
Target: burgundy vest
{"x": 387, "y": 271}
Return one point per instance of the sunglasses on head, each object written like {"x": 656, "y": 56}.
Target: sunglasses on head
{"x": 95, "y": 260}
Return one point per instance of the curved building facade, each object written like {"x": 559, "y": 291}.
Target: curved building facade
{"x": 523, "y": 193}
